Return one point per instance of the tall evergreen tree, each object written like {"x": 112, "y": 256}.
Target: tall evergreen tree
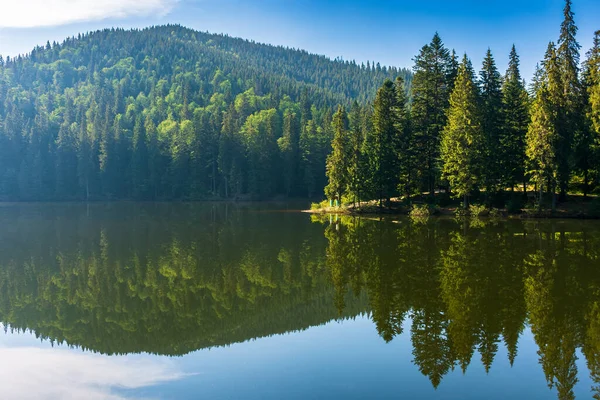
{"x": 491, "y": 102}
{"x": 407, "y": 161}
{"x": 587, "y": 147}
{"x": 463, "y": 138}
{"x": 542, "y": 134}
{"x": 515, "y": 108}
{"x": 570, "y": 109}
{"x": 356, "y": 162}
{"x": 338, "y": 160}
{"x": 383, "y": 145}
{"x": 430, "y": 94}
{"x": 289, "y": 145}
{"x": 593, "y": 83}
{"x": 139, "y": 160}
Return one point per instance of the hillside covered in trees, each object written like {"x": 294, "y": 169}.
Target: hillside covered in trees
{"x": 465, "y": 134}
{"x": 171, "y": 113}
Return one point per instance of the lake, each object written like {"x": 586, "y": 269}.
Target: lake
{"x": 232, "y": 301}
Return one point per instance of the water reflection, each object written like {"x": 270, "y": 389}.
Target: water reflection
{"x": 467, "y": 288}
{"x": 36, "y": 373}
{"x": 171, "y": 279}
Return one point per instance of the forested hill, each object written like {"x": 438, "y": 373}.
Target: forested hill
{"x": 171, "y": 113}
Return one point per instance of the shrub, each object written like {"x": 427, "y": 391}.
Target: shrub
{"x": 477, "y": 210}
{"x": 461, "y": 212}
{"x": 319, "y": 206}
{"x": 420, "y": 211}
{"x": 495, "y": 213}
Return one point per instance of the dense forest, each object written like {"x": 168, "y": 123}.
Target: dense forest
{"x": 465, "y": 134}
{"x": 171, "y": 113}
{"x": 171, "y": 279}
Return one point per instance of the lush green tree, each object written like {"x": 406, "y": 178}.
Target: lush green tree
{"x": 339, "y": 159}
{"x": 139, "y": 160}
{"x": 569, "y": 122}
{"x": 289, "y": 145}
{"x": 463, "y": 137}
{"x": 593, "y": 82}
{"x": 407, "y": 161}
{"x": 515, "y": 108}
{"x": 490, "y": 83}
{"x": 383, "y": 145}
{"x": 356, "y": 162}
{"x": 433, "y": 73}
{"x": 587, "y": 144}
{"x": 542, "y": 135}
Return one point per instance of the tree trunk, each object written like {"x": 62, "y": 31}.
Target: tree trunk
{"x": 465, "y": 202}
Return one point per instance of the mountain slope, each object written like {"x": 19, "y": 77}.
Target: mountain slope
{"x": 170, "y": 113}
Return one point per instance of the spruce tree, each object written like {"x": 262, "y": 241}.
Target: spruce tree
{"x": 543, "y": 138}
{"x": 406, "y": 147}
{"x": 587, "y": 154}
{"x": 139, "y": 160}
{"x": 569, "y": 123}
{"x": 515, "y": 108}
{"x": 383, "y": 145}
{"x": 592, "y": 83}
{"x": 491, "y": 107}
{"x": 337, "y": 161}
{"x": 356, "y": 167}
{"x": 430, "y": 93}
{"x": 462, "y": 138}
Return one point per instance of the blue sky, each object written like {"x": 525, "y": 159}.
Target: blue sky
{"x": 389, "y": 32}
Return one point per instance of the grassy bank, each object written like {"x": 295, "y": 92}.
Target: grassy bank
{"x": 576, "y": 206}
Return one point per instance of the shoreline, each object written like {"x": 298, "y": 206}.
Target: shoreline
{"x": 451, "y": 212}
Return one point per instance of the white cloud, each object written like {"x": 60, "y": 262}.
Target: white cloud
{"x": 37, "y": 13}
{"x": 30, "y": 373}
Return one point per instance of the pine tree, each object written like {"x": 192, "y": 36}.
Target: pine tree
{"x": 407, "y": 161}
{"x": 462, "y": 138}
{"x": 515, "y": 108}
{"x": 383, "y": 145}
{"x": 542, "y": 134}
{"x": 356, "y": 162}
{"x": 139, "y": 160}
{"x": 338, "y": 160}
{"x": 491, "y": 102}
{"x": 593, "y": 82}
{"x": 570, "y": 110}
{"x": 289, "y": 145}
{"x": 588, "y": 148}
{"x": 430, "y": 93}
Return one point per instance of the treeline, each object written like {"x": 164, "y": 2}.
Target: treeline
{"x": 171, "y": 113}
{"x": 461, "y": 133}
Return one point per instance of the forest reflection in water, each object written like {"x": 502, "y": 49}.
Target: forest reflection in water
{"x": 173, "y": 278}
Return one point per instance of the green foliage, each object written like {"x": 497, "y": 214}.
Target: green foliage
{"x": 338, "y": 160}
{"x": 491, "y": 123}
{"x": 171, "y": 113}
{"x": 462, "y": 139}
{"x": 434, "y": 75}
{"x": 478, "y": 210}
{"x": 420, "y": 210}
{"x": 515, "y": 108}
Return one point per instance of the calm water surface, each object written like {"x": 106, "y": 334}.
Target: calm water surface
{"x": 203, "y": 301}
